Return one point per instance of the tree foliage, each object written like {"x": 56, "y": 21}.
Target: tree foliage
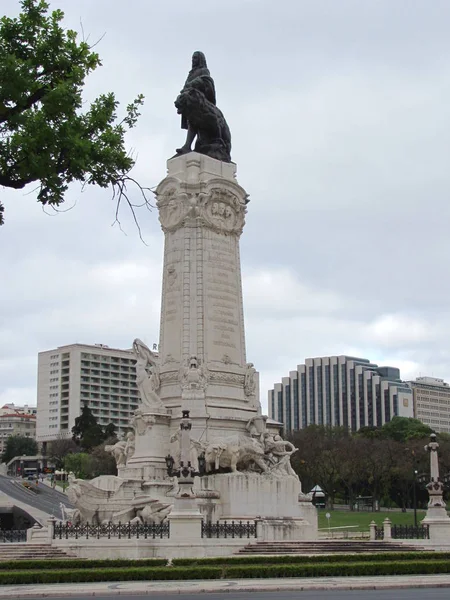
{"x": 47, "y": 136}
{"x": 19, "y": 445}
{"x": 59, "y": 449}
{"x": 379, "y": 462}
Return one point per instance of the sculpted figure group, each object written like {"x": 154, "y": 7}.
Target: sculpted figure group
{"x": 257, "y": 451}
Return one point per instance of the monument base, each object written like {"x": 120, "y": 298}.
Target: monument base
{"x": 272, "y": 500}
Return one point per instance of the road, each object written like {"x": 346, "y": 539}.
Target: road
{"x": 402, "y": 594}
{"x": 46, "y": 500}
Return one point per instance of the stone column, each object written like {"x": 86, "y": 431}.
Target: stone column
{"x": 387, "y": 530}
{"x": 185, "y": 517}
{"x": 202, "y": 342}
{"x": 373, "y": 534}
{"x": 436, "y": 518}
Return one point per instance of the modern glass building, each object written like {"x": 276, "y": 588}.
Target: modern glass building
{"x": 339, "y": 390}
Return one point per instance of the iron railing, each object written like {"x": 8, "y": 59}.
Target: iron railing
{"x": 63, "y": 530}
{"x": 410, "y": 532}
{"x": 13, "y": 535}
{"x": 225, "y": 529}
{"x": 379, "y": 533}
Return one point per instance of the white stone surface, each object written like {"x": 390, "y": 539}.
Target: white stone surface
{"x": 201, "y": 367}
{"x": 202, "y": 212}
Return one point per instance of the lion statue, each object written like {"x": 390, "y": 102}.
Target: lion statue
{"x": 213, "y": 133}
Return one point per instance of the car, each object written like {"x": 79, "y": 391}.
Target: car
{"x": 31, "y": 477}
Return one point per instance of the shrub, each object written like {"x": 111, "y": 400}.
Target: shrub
{"x": 305, "y": 559}
{"x": 144, "y": 573}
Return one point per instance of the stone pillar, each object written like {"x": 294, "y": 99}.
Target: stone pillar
{"x": 185, "y": 517}
{"x": 202, "y": 343}
{"x": 436, "y": 518}
{"x": 373, "y": 534}
{"x": 387, "y": 529}
{"x": 50, "y": 528}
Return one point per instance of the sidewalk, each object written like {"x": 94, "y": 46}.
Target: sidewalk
{"x": 223, "y": 585}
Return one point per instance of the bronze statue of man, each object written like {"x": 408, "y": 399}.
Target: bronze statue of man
{"x": 199, "y": 78}
{"x": 196, "y": 104}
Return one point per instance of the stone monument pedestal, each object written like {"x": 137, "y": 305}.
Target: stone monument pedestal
{"x": 201, "y": 370}
{"x": 275, "y": 501}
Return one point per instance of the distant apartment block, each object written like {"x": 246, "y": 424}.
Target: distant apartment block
{"x": 339, "y": 391}
{"x": 16, "y": 420}
{"x": 78, "y": 374}
{"x": 432, "y": 402}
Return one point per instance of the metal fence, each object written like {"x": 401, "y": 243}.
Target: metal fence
{"x": 410, "y": 532}
{"x": 13, "y": 535}
{"x": 111, "y": 530}
{"x": 404, "y": 532}
{"x": 225, "y": 529}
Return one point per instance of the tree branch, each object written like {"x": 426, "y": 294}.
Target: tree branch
{"x": 32, "y": 99}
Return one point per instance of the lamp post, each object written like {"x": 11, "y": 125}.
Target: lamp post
{"x": 415, "y": 498}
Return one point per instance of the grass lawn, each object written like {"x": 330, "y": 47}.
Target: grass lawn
{"x": 340, "y": 518}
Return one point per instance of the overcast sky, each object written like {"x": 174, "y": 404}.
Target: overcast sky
{"x": 340, "y": 119}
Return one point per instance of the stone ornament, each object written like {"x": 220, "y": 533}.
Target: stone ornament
{"x": 147, "y": 376}
{"x": 250, "y": 380}
{"x": 130, "y": 446}
{"x": 118, "y": 452}
{"x": 217, "y": 208}
{"x": 435, "y": 487}
{"x": 141, "y": 422}
{"x": 194, "y": 376}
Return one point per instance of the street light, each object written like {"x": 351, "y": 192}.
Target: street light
{"x": 415, "y": 498}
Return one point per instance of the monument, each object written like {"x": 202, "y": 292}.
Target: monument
{"x": 436, "y": 518}
{"x": 200, "y": 379}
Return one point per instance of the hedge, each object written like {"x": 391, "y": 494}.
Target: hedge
{"x": 271, "y": 559}
{"x": 86, "y": 563}
{"x": 343, "y": 569}
{"x": 80, "y": 563}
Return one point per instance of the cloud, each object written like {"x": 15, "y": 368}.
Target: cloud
{"x": 339, "y": 113}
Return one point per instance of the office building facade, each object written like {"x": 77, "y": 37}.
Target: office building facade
{"x": 432, "y": 402}
{"x": 72, "y": 376}
{"x": 20, "y": 420}
{"x": 339, "y": 391}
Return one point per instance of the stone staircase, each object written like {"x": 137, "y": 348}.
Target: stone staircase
{"x": 24, "y": 551}
{"x": 328, "y": 547}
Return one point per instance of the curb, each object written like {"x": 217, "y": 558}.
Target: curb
{"x": 223, "y": 586}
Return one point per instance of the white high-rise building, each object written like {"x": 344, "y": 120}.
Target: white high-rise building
{"x": 340, "y": 390}
{"x": 71, "y": 376}
{"x": 432, "y": 402}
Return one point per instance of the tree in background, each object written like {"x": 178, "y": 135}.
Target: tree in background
{"x": 86, "y": 432}
{"x": 19, "y": 445}
{"x": 382, "y": 462}
{"x": 78, "y": 464}
{"x": 110, "y": 433}
{"x": 59, "y": 449}
{"x": 403, "y": 429}
{"x": 47, "y": 136}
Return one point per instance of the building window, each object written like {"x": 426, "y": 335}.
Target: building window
{"x": 312, "y": 403}
{"x": 336, "y": 394}
{"x": 345, "y": 422}
{"x": 328, "y": 394}
{"x": 280, "y": 407}
{"x": 319, "y": 395}
{"x": 288, "y": 423}
{"x": 303, "y": 395}
{"x": 296, "y": 406}
{"x": 378, "y": 404}
{"x": 387, "y": 406}
{"x": 362, "y": 405}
